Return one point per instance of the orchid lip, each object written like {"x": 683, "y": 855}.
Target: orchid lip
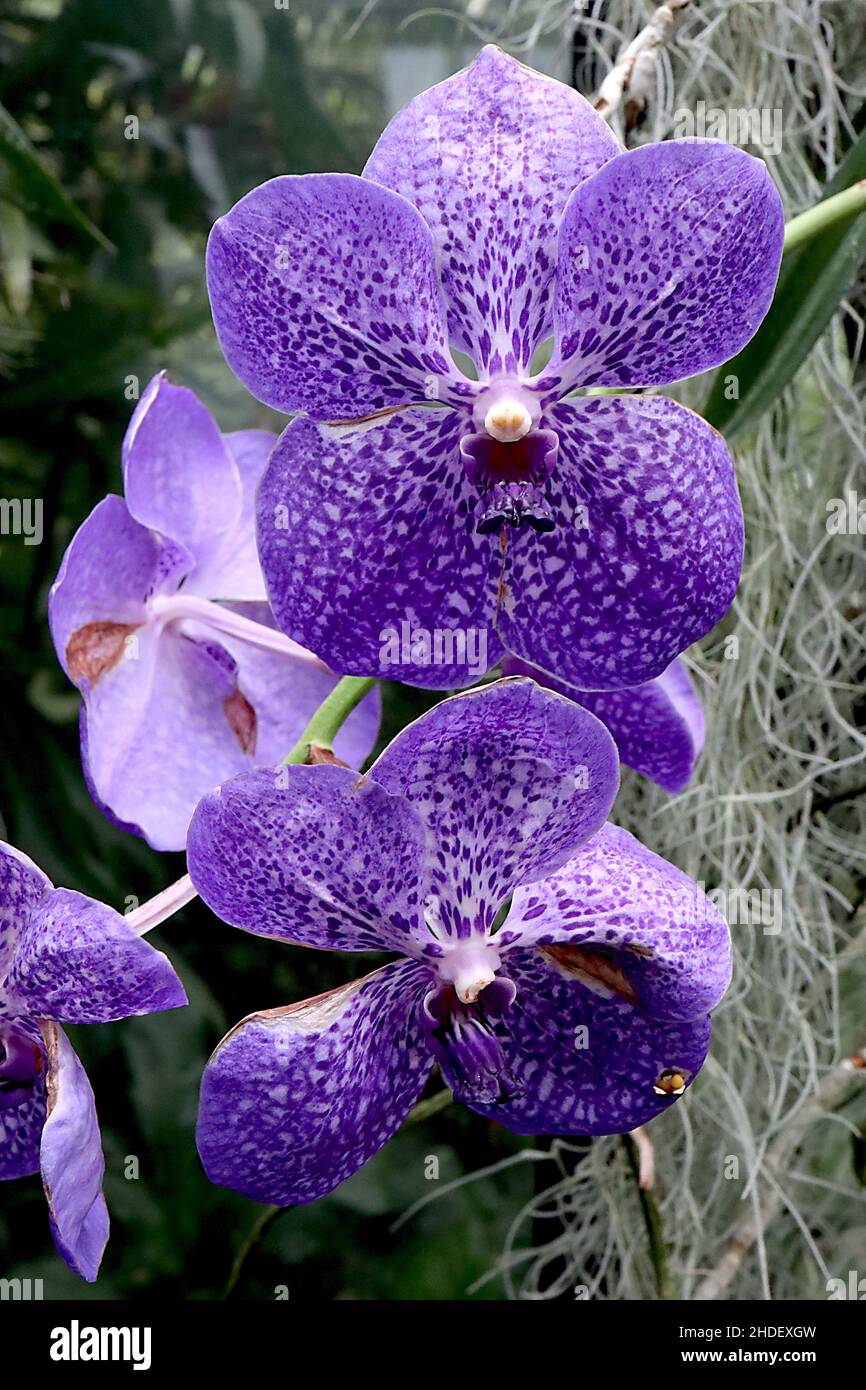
{"x": 20, "y": 1066}
{"x": 510, "y": 479}
{"x": 463, "y": 1039}
{"x": 515, "y": 505}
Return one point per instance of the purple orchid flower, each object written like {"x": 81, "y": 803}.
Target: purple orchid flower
{"x": 595, "y": 537}
{"x": 64, "y": 958}
{"x": 658, "y": 727}
{"x": 159, "y": 616}
{"x": 586, "y": 1012}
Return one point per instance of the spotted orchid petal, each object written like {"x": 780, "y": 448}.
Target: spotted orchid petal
{"x": 410, "y": 601}
{"x": 658, "y": 727}
{"x": 508, "y": 781}
{"x": 577, "y": 1061}
{"x": 325, "y": 296}
{"x": 643, "y": 559}
{"x": 667, "y": 262}
{"x": 647, "y": 550}
{"x": 22, "y": 886}
{"x": 314, "y": 855}
{"x": 78, "y": 961}
{"x": 296, "y": 1099}
{"x": 484, "y": 791}
{"x": 626, "y": 922}
{"x": 489, "y": 157}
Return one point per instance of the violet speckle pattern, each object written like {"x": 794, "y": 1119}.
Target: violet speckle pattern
{"x": 645, "y": 557}
{"x": 296, "y": 1099}
{"x": 506, "y": 785}
{"x": 462, "y": 805}
{"x": 489, "y": 158}
{"x": 325, "y": 296}
{"x": 671, "y": 943}
{"x": 22, "y": 886}
{"x": 658, "y": 727}
{"x": 668, "y": 259}
{"x": 600, "y": 1081}
{"x": 314, "y": 855}
{"x": 335, "y": 573}
{"x": 77, "y": 961}
{"x": 21, "y": 1134}
{"x": 648, "y": 556}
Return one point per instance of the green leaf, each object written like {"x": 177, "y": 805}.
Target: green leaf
{"x": 251, "y": 43}
{"x": 838, "y": 208}
{"x": 17, "y": 265}
{"x": 36, "y": 188}
{"x": 814, "y": 280}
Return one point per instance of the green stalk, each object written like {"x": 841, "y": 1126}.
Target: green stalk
{"x": 827, "y": 213}
{"x": 653, "y": 1223}
{"x": 331, "y": 716}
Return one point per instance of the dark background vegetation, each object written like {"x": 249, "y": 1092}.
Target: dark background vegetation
{"x": 227, "y": 94}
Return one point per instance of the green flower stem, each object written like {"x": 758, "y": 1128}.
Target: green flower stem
{"x": 253, "y": 1238}
{"x": 426, "y": 1109}
{"x": 827, "y": 213}
{"x": 653, "y": 1223}
{"x": 331, "y": 716}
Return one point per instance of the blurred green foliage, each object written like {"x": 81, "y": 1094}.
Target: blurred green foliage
{"x": 125, "y": 130}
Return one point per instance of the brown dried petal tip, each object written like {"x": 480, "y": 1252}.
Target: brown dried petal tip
{"x": 319, "y": 756}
